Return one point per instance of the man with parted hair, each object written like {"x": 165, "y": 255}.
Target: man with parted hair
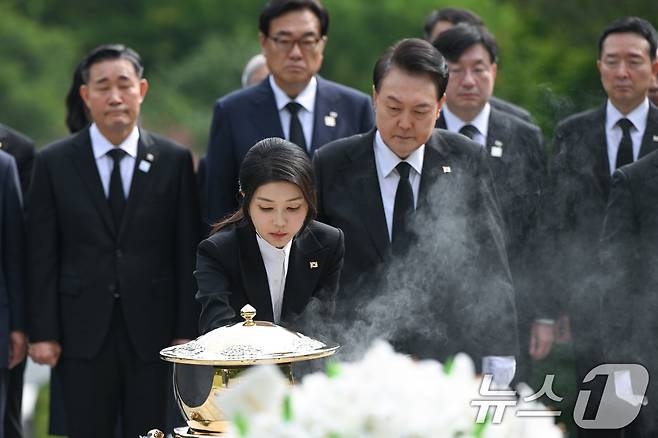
{"x": 113, "y": 221}
{"x": 423, "y": 237}
{"x": 518, "y": 163}
{"x": 293, "y": 102}
{"x": 443, "y": 19}
{"x": 588, "y": 148}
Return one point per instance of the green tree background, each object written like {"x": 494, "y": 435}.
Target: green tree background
{"x": 194, "y": 51}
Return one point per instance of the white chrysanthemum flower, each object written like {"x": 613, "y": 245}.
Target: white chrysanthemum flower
{"x": 385, "y": 395}
{"x": 247, "y": 398}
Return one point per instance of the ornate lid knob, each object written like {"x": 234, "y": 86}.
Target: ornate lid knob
{"x": 248, "y": 313}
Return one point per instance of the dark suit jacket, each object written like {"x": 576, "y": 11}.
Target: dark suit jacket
{"x": 630, "y": 256}
{"x": 78, "y": 258}
{"x": 12, "y": 275}
{"x": 510, "y": 108}
{"x": 578, "y": 194}
{"x": 246, "y": 116}
{"x": 519, "y": 178}
{"x": 231, "y": 273}
{"x": 22, "y": 149}
{"x": 579, "y": 188}
{"x": 440, "y": 298}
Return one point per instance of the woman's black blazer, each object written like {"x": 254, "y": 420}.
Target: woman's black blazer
{"x": 230, "y": 273}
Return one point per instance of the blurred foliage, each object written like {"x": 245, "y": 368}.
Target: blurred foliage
{"x": 194, "y": 52}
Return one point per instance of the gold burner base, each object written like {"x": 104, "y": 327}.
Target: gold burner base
{"x": 186, "y": 432}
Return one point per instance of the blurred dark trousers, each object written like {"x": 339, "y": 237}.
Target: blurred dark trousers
{"x": 13, "y": 419}
{"x": 115, "y": 383}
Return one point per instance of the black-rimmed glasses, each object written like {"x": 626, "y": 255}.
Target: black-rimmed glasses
{"x": 306, "y": 43}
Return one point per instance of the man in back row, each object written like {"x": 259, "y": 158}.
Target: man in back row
{"x": 518, "y": 163}
{"x": 293, "y": 102}
{"x": 443, "y": 19}
{"x": 589, "y": 146}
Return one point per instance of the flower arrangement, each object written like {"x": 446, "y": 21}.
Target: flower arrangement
{"x": 386, "y": 394}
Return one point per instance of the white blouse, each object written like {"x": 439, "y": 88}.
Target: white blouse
{"x": 276, "y": 267}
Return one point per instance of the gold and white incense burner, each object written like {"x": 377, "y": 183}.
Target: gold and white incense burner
{"x": 210, "y": 365}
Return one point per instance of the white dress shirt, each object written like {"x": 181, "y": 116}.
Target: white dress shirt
{"x": 276, "y": 267}
{"x": 613, "y": 132}
{"x": 389, "y": 177}
{"x": 305, "y": 115}
{"x": 481, "y": 122}
{"x": 101, "y": 146}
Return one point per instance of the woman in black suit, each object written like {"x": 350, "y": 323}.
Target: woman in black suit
{"x": 270, "y": 253}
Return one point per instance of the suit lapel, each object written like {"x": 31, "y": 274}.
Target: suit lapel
{"x": 324, "y": 107}
{"x": 139, "y": 178}
{"x": 497, "y": 130}
{"x": 596, "y": 142}
{"x": 363, "y": 186}
{"x": 253, "y": 273}
{"x": 302, "y": 277}
{"x": 650, "y": 138}
{"x": 83, "y": 158}
{"x": 434, "y": 162}
{"x": 264, "y": 112}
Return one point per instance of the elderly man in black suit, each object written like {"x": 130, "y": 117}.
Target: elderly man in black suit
{"x": 518, "y": 162}
{"x": 423, "y": 237}
{"x": 293, "y": 102}
{"x": 13, "y": 342}
{"x": 113, "y": 224}
{"x": 589, "y": 147}
{"x": 21, "y": 148}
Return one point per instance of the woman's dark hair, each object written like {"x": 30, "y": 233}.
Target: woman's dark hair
{"x": 77, "y": 116}
{"x": 271, "y": 160}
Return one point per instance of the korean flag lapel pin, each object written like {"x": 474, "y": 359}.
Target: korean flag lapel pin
{"x": 145, "y": 164}
{"x": 330, "y": 119}
{"x": 313, "y": 264}
{"x": 655, "y": 139}
{"x": 497, "y": 149}
{"x": 446, "y": 169}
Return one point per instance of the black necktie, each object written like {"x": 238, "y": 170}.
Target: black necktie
{"x": 116, "y": 199}
{"x": 625, "y": 151}
{"x": 469, "y": 131}
{"x": 296, "y": 131}
{"x": 404, "y": 203}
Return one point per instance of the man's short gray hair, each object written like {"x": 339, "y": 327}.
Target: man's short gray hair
{"x": 254, "y": 64}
